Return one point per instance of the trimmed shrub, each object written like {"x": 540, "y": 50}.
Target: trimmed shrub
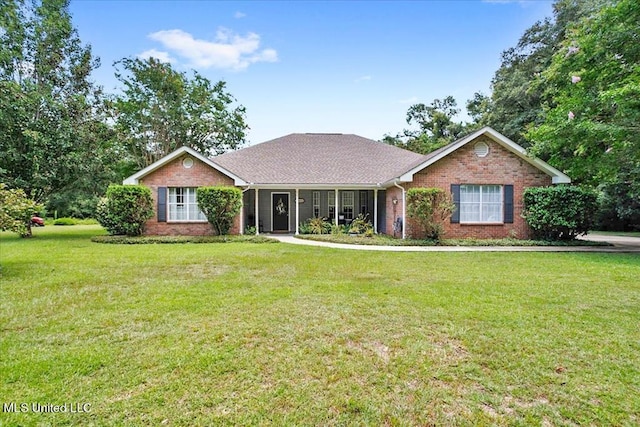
{"x": 125, "y": 209}
{"x": 220, "y": 205}
{"x": 16, "y": 210}
{"x": 428, "y": 207}
{"x": 65, "y": 221}
{"x": 561, "y": 212}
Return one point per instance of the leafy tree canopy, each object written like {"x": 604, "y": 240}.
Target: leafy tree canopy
{"x": 436, "y": 126}
{"x": 50, "y": 112}
{"x": 591, "y": 125}
{"x": 516, "y": 99}
{"x": 161, "y": 109}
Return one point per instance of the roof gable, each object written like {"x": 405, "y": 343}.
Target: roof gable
{"x": 135, "y": 178}
{"x": 557, "y": 177}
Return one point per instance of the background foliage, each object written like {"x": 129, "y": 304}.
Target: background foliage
{"x": 161, "y": 110}
{"x": 51, "y": 114}
{"x": 591, "y": 115}
{"x": 63, "y": 141}
{"x": 16, "y": 210}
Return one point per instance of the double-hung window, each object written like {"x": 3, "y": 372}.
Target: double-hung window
{"x": 481, "y": 203}
{"x": 183, "y": 206}
{"x": 316, "y": 204}
{"x": 347, "y": 204}
{"x": 331, "y": 205}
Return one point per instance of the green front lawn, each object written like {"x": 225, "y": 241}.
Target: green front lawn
{"x": 384, "y": 240}
{"x": 276, "y": 334}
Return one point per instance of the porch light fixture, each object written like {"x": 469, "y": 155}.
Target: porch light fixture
{"x": 394, "y": 201}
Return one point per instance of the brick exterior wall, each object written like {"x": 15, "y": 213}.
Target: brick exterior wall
{"x": 174, "y": 174}
{"x": 499, "y": 167}
{"x": 393, "y": 212}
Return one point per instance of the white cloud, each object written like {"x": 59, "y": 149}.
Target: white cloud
{"x": 227, "y": 51}
{"x": 363, "y": 79}
{"x": 411, "y": 100}
{"x": 153, "y": 53}
{"x": 239, "y": 15}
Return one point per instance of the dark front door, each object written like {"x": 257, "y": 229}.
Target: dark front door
{"x": 280, "y": 211}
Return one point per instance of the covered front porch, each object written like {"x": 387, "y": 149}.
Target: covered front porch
{"x": 282, "y": 210}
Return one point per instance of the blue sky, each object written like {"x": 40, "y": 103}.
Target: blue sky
{"x": 330, "y": 66}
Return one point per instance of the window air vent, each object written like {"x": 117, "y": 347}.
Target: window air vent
{"x": 481, "y": 149}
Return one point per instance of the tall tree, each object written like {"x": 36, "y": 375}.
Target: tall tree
{"x": 516, "y": 100}
{"x": 49, "y": 108}
{"x": 161, "y": 109}
{"x": 436, "y": 126}
{"x": 591, "y": 122}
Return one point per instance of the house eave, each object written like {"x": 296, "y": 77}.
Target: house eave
{"x": 307, "y": 186}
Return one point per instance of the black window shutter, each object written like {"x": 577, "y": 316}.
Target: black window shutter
{"x": 508, "y": 204}
{"x": 162, "y": 204}
{"x": 455, "y": 192}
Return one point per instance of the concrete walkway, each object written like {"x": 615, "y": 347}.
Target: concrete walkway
{"x": 621, "y": 245}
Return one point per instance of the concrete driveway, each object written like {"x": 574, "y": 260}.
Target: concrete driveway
{"x": 620, "y": 244}
{"x": 632, "y": 244}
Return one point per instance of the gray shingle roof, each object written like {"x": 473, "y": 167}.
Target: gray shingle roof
{"x": 313, "y": 158}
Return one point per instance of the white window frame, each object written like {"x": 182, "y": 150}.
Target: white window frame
{"x": 482, "y": 204}
{"x": 316, "y": 204}
{"x": 331, "y": 198}
{"x": 364, "y": 201}
{"x": 346, "y": 203}
{"x": 191, "y": 209}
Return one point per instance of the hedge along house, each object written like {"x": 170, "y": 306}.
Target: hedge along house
{"x": 290, "y": 179}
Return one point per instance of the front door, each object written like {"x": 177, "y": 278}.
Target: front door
{"x": 280, "y": 211}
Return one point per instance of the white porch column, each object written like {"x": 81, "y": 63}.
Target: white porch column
{"x": 336, "y": 208}
{"x": 297, "y": 209}
{"x": 257, "y": 215}
{"x": 375, "y": 211}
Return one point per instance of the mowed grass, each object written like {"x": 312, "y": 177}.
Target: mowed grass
{"x": 276, "y": 334}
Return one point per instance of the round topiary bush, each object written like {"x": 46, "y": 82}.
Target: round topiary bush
{"x": 561, "y": 212}
{"x": 220, "y": 205}
{"x": 125, "y": 209}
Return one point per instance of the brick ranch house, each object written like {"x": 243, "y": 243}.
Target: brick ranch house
{"x": 287, "y": 180}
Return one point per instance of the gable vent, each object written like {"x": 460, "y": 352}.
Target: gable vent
{"x": 481, "y": 149}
